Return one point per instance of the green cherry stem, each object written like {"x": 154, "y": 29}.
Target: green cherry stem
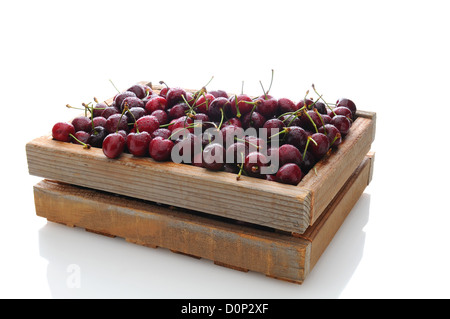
{"x": 306, "y": 146}
{"x": 85, "y": 146}
{"x": 118, "y": 91}
{"x": 321, "y": 97}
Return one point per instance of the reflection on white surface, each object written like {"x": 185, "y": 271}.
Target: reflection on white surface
{"x": 87, "y": 265}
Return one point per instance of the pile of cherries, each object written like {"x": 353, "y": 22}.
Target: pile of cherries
{"x": 160, "y": 123}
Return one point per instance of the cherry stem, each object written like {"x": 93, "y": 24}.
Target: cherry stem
{"x": 241, "y": 167}
{"x": 320, "y": 96}
{"x": 238, "y": 113}
{"x": 242, "y": 87}
{"x": 85, "y": 146}
{"x": 314, "y": 124}
{"x": 125, "y": 108}
{"x": 306, "y": 146}
{"x": 204, "y": 86}
{"x": 164, "y": 83}
{"x": 114, "y": 86}
{"x": 271, "y": 81}
{"x": 264, "y": 91}
{"x": 193, "y": 125}
{"x": 338, "y": 135}
{"x": 320, "y": 117}
{"x": 286, "y": 129}
{"x": 221, "y": 119}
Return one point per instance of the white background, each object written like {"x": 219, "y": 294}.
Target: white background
{"x": 391, "y": 57}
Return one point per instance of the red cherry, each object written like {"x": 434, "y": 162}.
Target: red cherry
{"x": 116, "y": 122}
{"x": 160, "y": 149}
{"x": 253, "y": 164}
{"x": 138, "y": 143}
{"x": 82, "y": 123}
{"x": 239, "y": 105}
{"x": 214, "y": 157}
{"x": 147, "y": 123}
{"x": 113, "y": 145}
{"x": 155, "y": 103}
{"x": 203, "y": 103}
{"x": 61, "y": 131}
{"x": 347, "y": 103}
{"x": 342, "y": 123}
{"x": 289, "y": 174}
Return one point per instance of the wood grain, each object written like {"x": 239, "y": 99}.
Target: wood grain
{"x": 228, "y": 243}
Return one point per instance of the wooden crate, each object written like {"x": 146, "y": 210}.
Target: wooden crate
{"x": 227, "y": 242}
{"x": 269, "y": 204}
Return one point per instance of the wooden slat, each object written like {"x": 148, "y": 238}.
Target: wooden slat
{"x": 147, "y": 224}
{"x": 235, "y": 245}
{"x": 330, "y": 174}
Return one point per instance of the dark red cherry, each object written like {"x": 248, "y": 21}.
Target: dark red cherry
{"x": 82, "y": 123}
{"x": 230, "y": 133}
{"x": 291, "y": 119}
{"x": 253, "y": 164}
{"x": 320, "y": 145}
{"x": 110, "y": 110}
{"x": 155, "y": 103}
{"x": 116, "y": 122}
{"x": 289, "y": 154}
{"x": 286, "y": 105}
{"x": 81, "y": 136}
{"x": 253, "y": 119}
{"x": 138, "y": 143}
{"x": 253, "y": 143}
{"x": 310, "y": 121}
{"x": 233, "y": 121}
{"x": 289, "y": 174}
{"x": 162, "y": 132}
{"x": 98, "y": 109}
{"x": 296, "y": 136}
{"x": 188, "y": 144}
{"x": 274, "y": 126}
{"x": 267, "y": 106}
{"x": 342, "y": 123}
{"x": 147, "y": 123}
{"x": 175, "y": 95}
{"x": 162, "y": 116}
{"x": 342, "y": 110}
{"x": 119, "y": 98}
{"x": 131, "y": 102}
{"x": 214, "y": 157}
{"x": 241, "y": 105}
{"x": 347, "y": 103}
{"x": 203, "y": 103}
{"x": 113, "y": 145}
{"x": 160, "y": 149}
{"x": 236, "y": 153}
{"x": 333, "y": 134}
{"x": 178, "y": 110}
{"x": 97, "y": 136}
{"x": 98, "y": 121}
{"x": 140, "y": 90}
{"x": 182, "y": 126}
{"x": 308, "y": 102}
{"x": 321, "y": 107}
{"x": 216, "y": 107}
{"x": 134, "y": 114}
{"x": 219, "y": 93}
{"x": 61, "y": 131}
{"x": 308, "y": 161}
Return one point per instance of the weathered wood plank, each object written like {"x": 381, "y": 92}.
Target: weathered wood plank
{"x": 332, "y": 172}
{"x": 238, "y": 246}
